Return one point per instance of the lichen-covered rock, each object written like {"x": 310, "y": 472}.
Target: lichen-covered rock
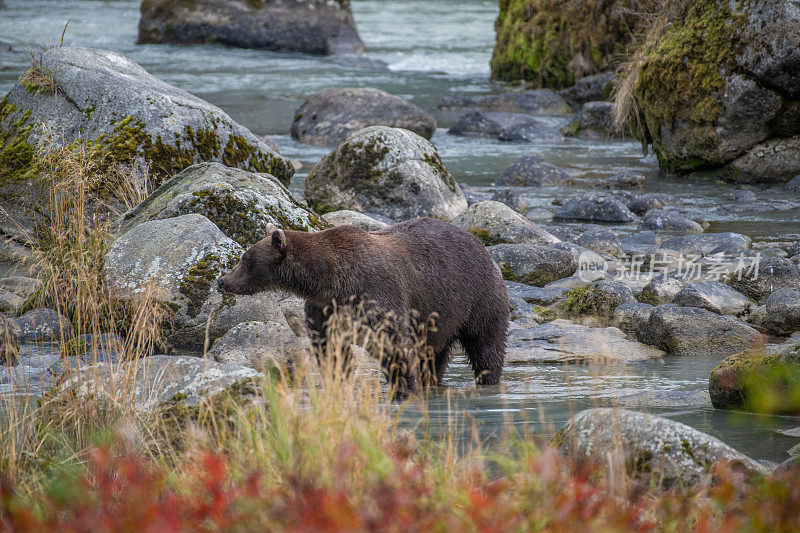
{"x": 598, "y": 299}
{"x": 561, "y": 341}
{"x": 783, "y": 312}
{"x": 713, "y": 296}
{"x": 596, "y": 207}
{"x": 496, "y": 223}
{"x": 181, "y": 258}
{"x": 314, "y": 26}
{"x": 594, "y": 120}
{"x": 694, "y": 331}
{"x": 345, "y": 217}
{"x": 532, "y": 171}
{"x": 718, "y": 86}
{"x": 123, "y": 115}
{"x": 328, "y": 116}
{"x": 388, "y": 171}
{"x": 654, "y": 448}
{"x": 533, "y": 265}
{"x": 600, "y": 240}
{"x": 536, "y": 102}
{"x": 265, "y": 345}
{"x": 553, "y": 44}
{"x": 772, "y": 274}
{"x": 629, "y": 316}
{"x": 239, "y": 203}
{"x": 158, "y": 381}
{"x": 44, "y": 326}
{"x": 660, "y": 290}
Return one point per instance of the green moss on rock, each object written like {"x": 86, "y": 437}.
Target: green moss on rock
{"x": 19, "y": 160}
{"x": 196, "y": 284}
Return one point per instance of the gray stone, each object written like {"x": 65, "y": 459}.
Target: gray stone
{"x": 783, "y": 312}
{"x": 706, "y": 243}
{"x": 314, "y": 26}
{"x": 774, "y": 273}
{"x": 645, "y": 202}
{"x": 533, "y": 295}
{"x": 595, "y": 120}
{"x": 345, "y": 217}
{"x": 744, "y": 196}
{"x": 662, "y": 220}
{"x": 665, "y": 399}
{"x": 589, "y": 88}
{"x": 713, "y": 296}
{"x": 596, "y": 207}
{"x": 653, "y": 447}
{"x": 388, "y": 171}
{"x": 536, "y": 102}
{"x": 268, "y": 306}
{"x": 488, "y": 124}
{"x": 44, "y": 326}
{"x": 603, "y": 297}
{"x": 512, "y": 198}
{"x": 625, "y": 180}
{"x": 600, "y": 240}
{"x": 794, "y": 250}
{"x": 629, "y": 316}
{"x": 495, "y": 223}
{"x": 533, "y": 265}
{"x": 178, "y": 260}
{"x": 157, "y": 381}
{"x": 773, "y": 161}
{"x": 691, "y": 331}
{"x": 328, "y": 116}
{"x": 241, "y": 204}
{"x": 540, "y": 213}
{"x": 10, "y": 302}
{"x": 264, "y": 346}
{"x": 561, "y": 341}
{"x": 531, "y": 132}
{"x": 532, "y": 171}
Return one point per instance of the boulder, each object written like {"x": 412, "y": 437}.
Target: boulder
{"x": 512, "y": 198}
{"x": 794, "y": 251}
{"x": 488, "y": 124}
{"x": 596, "y": 207}
{"x": 662, "y": 220}
{"x": 530, "y": 133}
{"x": 561, "y": 341}
{"x": 693, "y": 331}
{"x": 629, "y": 316}
{"x": 239, "y": 203}
{"x": 159, "y": 381}
{"x": 496, "y": 223}
{"x": 264, "y": 346}
{"x": 272, "y": 306}
{"x": 624, "y": 180}
{"x": 600, "y": 240}
{"x": 706, "y": 243}
{"x": 595, "y": 120}
{"x": 645, "y": 202}
{"x": 598, "y": 299}
{"x": 531, "y": 264}
{"x": 532, "y": 171}
{"x": 346, "y": 217}
{"x": 589, "y": 88}
{"x": 783, "y": 312}
{"x": 328, "y": 116}
{"x": 181, "y": 258}
{"x": 388, "y": 171}
{"x": 533, "y": 295}
{"x": 713, "y": 296}
{"x": 313, "y": 27}
{"x": 44, "y": 326}
{"x": 536, "y": 102}
{"x": 653, "y": 448}
{"x": 772, "y": 161}
{"x": 771, "y": 274}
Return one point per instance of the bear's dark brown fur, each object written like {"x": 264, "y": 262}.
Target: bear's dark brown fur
{"x": 422, "y": 265}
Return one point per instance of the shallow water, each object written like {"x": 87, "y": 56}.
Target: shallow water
{"x": 433, "y": 49}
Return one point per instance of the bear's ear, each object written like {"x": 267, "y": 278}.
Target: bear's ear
{"x": 278, "y": 238}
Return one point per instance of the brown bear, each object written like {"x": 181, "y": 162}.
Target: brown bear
{"x": 411, "y": 272}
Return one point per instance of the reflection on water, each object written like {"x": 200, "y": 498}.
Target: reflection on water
{"x": 434, "y": 49}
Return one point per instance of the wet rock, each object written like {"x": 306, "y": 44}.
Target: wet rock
{"x": 661, "y": 220}
{"x": 744, "y": 196}
{"x": 773, "y": 273}
{"x": 654, "y": 448}
{"x": 488, "y": 124}
{"x": 313, "y": 27}
{"x": 126, "y": 116}
{"x": 44, "y": 326}
{"x": 388, "y": 171}
{"x": 645, "y": 202}
{"x": 530, "y": 133}
{"x": 693, "y": 331}
{"x": 561, "y": 341}
{"x": 595, "y": 207}
{"x": 598, "y": 299}
{"x": 532, "y": 265}
{"x": 625, "y": 180}
{"x": 496, "y": 223}
{"x": 532, "y": 171}
{"x": 600, "y": 240}
{"x": 629, "y": 316}
{"x": 511, "y": 198}
{"x": 536, "y": 102}
{"x": 159, "y": 381}
{"x": 540, "y": 213}
{"x": 346, "y": 217}
{"x": 328, "y": 116}
{"x": 264, "y": 346}
{"x": 589, "y": 88}
{"x": 706, "y": 243}
{"x": 713, "y": 296}
{"x": 783, "y": 312}
{"x": 595, "y": 120}
{"x": 241, "y": 204}
{"x": 182, "y": 258}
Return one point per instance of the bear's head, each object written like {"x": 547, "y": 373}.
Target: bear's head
{"x": 260, "y": 266}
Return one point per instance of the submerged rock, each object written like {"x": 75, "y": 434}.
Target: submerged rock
{"x": 239, "y": 203}
{"x": 596, "y": 207}
{"x": 488, "y": 124}
{"x": 496, "y": 223}
{"x": 530, "y": 133}
{"x": 536, "y": 102}
{"x": 532, "y": 171}
{"x": 388, "y": 171}
{"x": 652, "y": 447}
{"x": 561, "y": 341}
{"x": 328, "y": 116}
{"x": 313, "y": 26}
{"x": 533, "y": 265}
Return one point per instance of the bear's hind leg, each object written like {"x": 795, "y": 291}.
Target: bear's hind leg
{"x": 486, "y": 352}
